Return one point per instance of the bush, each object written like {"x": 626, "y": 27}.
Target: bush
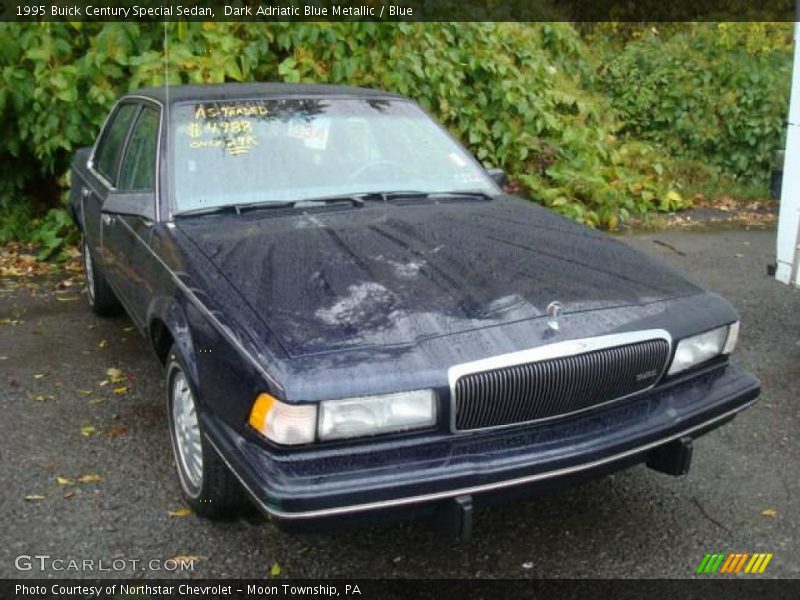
{"x": 512, "y": 93}
{"x": 716, "y": 93}
{"x": 593, "y": 142}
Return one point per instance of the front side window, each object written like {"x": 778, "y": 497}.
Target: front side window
{"x": 139, "y": 166}
{"x": 109, "y": 150}
{"x": 301, "y": 148}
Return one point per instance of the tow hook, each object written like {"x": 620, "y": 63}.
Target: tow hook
{"x": 673, "y": 458}
{"x": 455, "y": 518}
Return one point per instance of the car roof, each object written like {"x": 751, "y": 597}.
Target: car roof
{"x": 232, "y": 91}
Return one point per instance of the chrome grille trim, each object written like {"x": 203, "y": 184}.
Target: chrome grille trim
{"x": 486, "y": 369}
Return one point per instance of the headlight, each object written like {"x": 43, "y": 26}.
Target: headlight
{"x": 697, "y": 349}
{"x": 283, "y": 423}
{"x": 371, "y": 415}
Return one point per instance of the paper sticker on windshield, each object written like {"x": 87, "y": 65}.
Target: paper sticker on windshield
{"x": 313, "y": 133}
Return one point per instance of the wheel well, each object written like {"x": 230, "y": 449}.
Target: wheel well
{"x": 161, "y": 339}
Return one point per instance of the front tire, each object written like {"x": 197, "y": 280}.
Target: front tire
{"x": 208, "y": 486}
{"x": 101, "y": 297}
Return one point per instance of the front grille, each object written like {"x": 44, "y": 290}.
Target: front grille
{"x": 559, "y": 386}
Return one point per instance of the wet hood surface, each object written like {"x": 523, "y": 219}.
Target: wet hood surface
{"x": 339, "y": 278}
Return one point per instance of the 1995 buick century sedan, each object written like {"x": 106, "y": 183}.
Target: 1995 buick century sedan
{"x": 357, "y": 323}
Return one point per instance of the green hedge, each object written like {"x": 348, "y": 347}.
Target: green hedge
{"x": 591, "y": 137}
{"x": 712, "y": 93}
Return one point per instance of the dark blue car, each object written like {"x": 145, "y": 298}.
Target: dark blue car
{"x": 356, "y": 321}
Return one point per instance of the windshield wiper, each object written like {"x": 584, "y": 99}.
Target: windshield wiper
{"x": 355, "y": 199}
{"x": 208, "y": 210}
{"x": 391, "y": 195}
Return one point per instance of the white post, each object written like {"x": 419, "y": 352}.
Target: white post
{"x": 787, "y": 269}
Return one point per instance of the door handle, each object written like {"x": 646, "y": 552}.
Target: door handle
{"x": 108, "y": 219}
{"x": 85, "y": 192}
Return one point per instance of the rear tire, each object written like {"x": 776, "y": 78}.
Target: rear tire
{"x": 208, "y": 486}
{"x": 101, "y": 297}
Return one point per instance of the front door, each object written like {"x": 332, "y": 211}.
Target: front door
{"x": 102, "y": 179}
{"x": 127, "y": 236}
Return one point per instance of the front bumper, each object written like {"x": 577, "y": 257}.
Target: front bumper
{"x": 412, "y": 475}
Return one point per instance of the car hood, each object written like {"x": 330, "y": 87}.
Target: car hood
{"x": 338, "y": 278}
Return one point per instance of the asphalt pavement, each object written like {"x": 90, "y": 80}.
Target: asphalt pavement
{"x": 86, "y": 470}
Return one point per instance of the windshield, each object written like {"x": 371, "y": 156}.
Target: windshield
{"x": 247, "y": 151}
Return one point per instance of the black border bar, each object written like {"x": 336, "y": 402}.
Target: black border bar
{"x": 396, "y": 11}
{"x": 733, "y": 588}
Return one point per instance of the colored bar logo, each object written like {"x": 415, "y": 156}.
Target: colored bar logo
{"x": 734, "y": 563}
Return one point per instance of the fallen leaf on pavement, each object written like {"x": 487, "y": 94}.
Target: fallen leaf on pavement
{"x": 38, "y": 376}
{"x": 34, "y": 497}
{"x": 769, "y": 512}
{"x": 275, "y": 569}
{"x": 180, "y": 512}
{"x": 88, "y": 430}
{"x": 103, "y": 344}
{"x": 68, "y": 494}
{"x": 116, "y": 431}
{"x": 63, "y": 481}
{"x": 96, "y": 401}
{"x": 90, "y": 478}
{"x": 120, "y": 391}
{"x": 85, "y": 392}
{"x": 115, "y": 375}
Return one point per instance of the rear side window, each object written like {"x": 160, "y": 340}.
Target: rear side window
{"x": 139, "y": 165}
{"x": 110, "y": 148}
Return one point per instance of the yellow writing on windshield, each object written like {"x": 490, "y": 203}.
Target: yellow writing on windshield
{"x": 197, "y": 128}
{"x": 241, "y": 144}
{"x": 230, "y": 110}
{"x": 226, "y": 126}
{"x": 236, "y": 145}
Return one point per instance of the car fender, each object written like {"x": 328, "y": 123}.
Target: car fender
{"x": 168, "y": 311}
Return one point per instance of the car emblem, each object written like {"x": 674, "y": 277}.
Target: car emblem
{"x": 647, "y": 375}
{"x": 554, "y": 310}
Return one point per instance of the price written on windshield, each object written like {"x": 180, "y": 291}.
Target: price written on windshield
{"x": 234, "y": 136}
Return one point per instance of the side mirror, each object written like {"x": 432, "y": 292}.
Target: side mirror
{"x": 498, "y": 176}
{"x": 137, "y": 204}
